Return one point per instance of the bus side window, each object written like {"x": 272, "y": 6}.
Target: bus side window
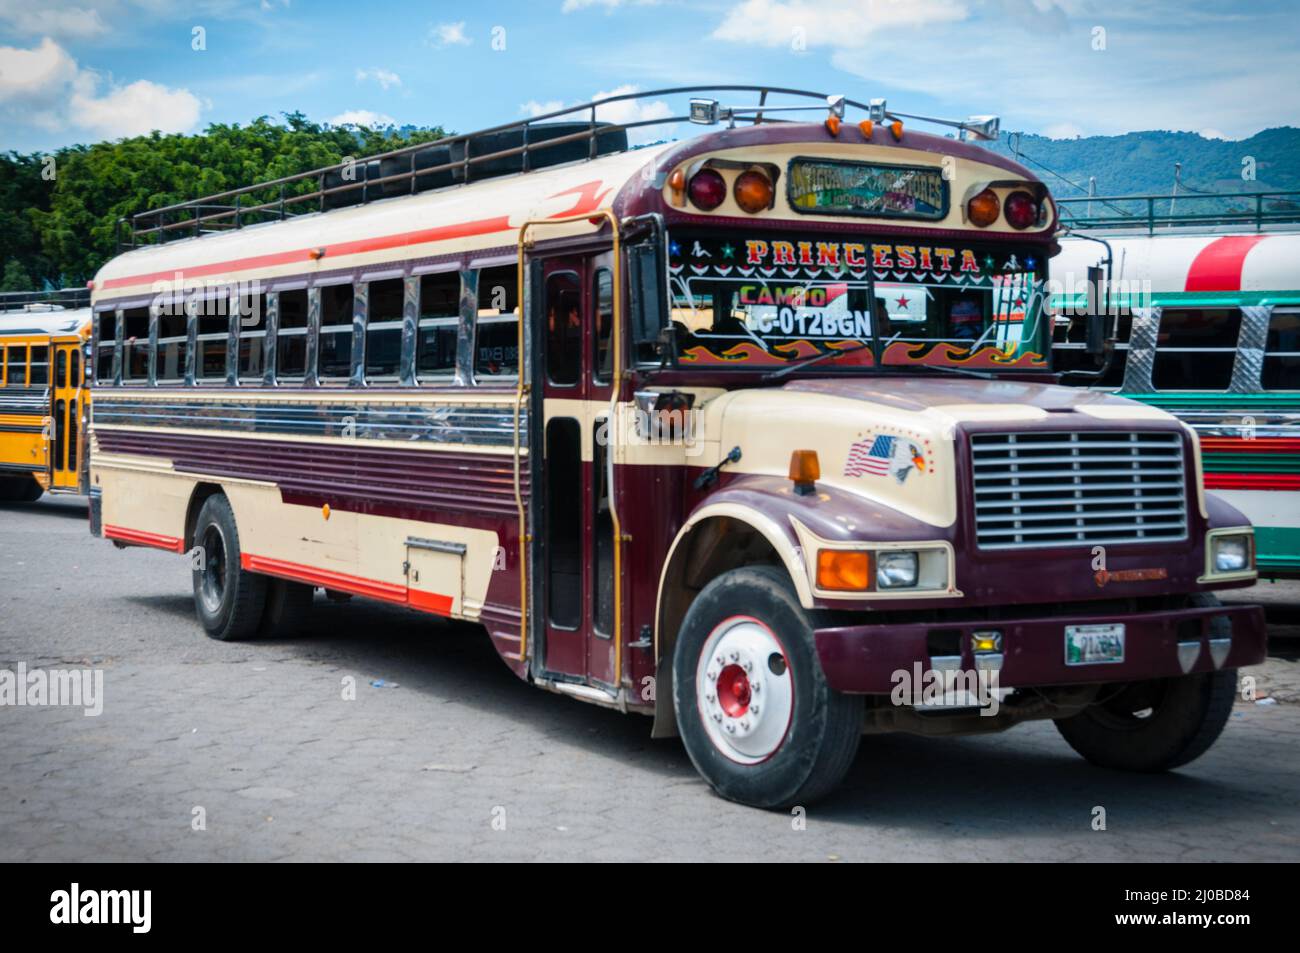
{"x": 74, "y": 376}
{"x": 291, "y": 341}
{"x": 213, "y": 339}
{"x": 16, "y": 366}
{"x": 61, "y": 368}
{"x": 439, "y": 321}
{"x": 496, "y": 339}
{"x": 602, "y": 296}
{"x": 563, "y": 328}
{"x": 40, "y": 369}
{"x": 252, "y": 332}
{"x": 173, "y": 342}
{"x": 335, "y": 360}
{"x": 106, "y": 348}
{"x": 1195, "y": 348}
{"x": 1282, "y": 351}
{"x": 135, "y": 364}
{"x": 384, "y": 328}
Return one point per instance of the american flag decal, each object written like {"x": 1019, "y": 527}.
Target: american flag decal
{"x": 870, "y": 456}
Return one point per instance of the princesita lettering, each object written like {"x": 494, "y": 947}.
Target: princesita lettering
{"x": 860, "y": 255}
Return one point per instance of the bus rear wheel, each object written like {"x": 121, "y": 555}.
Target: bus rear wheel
{"x": 20, "y": 490}
{"x": 754, "y": 710}
{"x": 1154, "y": 725}
{"x": 228, "y": 599}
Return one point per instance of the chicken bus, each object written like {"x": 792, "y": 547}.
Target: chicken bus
{"x": 753, "y": 431}
{"x": 1204, "y": 323}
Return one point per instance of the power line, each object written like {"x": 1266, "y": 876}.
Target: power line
{"x": 1066, "y": 179}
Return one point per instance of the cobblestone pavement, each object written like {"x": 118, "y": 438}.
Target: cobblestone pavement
{"x": 259, "y": 737}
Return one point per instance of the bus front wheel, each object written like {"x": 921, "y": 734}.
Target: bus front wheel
{"x": 228, "y": 599}
{"x": 753, "y": 707}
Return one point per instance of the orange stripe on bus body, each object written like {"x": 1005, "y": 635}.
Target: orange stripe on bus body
{"x": 142, "y": 538}
{"x": 358, "y": 585}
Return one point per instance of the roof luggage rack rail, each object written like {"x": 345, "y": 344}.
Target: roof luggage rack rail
{"x": 52, "y": 300}
{"x": 1182, "y": 210}
{"x": 521, "y": 146}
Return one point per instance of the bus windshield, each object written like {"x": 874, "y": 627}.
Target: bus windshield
{"x": 744, "y": 301}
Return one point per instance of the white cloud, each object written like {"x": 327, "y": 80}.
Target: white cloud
{"x": 384, "y": 77}
{"x": 534, "y": 108}
{"x": 839, "y": 24}
{"x": 135, "y": 110}
{"x": 49, "y": 19}
{"x": 449, "y": 34}
{"x": 44, "y": 87}
{"x": 363, "y": 117}
{"x": 37, "y": 76}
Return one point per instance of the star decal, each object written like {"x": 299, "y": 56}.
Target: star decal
{"x": 728, "y": 251}
{"x": 674, "y": 248}
{"x": 902, "y": 301}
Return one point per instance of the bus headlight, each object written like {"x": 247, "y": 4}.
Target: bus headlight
{"x": 1231, "y": 553}
{"x": 896, "y": 569}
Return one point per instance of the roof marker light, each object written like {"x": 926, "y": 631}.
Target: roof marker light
{"x": 867, "y": 127}
{"x": 896, "y": 127}
{"x": 833, "y": 125}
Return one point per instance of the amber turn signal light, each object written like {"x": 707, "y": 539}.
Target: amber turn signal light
{"x": 677, "y": 182}
{"x": 805, "y": 471}
{"x": 843, "y": 569}
{"x": 753, "y": 191}
{"x": 983, "y": 209}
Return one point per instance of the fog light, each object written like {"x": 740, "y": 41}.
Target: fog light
{"x": 896, "y": 570}
{"x": 986, "y": 641}
{"x": 1231, "y": 553}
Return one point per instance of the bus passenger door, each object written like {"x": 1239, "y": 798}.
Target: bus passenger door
{"x": 577, "y": 634}
{"x": 66, "y": 413}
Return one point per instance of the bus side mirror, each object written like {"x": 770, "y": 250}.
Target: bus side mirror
{"x": 648, "y": 285}
{"x": 1096, "y": 326}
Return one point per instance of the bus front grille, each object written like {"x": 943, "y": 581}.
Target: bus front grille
{"x": 1078, "y": 488}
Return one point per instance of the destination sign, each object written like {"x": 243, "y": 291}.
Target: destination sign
{"x": 838, "y": 187}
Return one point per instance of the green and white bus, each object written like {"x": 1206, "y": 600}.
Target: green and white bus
{"x": 1204, "y": 322}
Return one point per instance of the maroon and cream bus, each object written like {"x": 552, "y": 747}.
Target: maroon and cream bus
{"x": 754, "y": 432}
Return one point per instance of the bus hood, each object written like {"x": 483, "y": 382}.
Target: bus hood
{"x": 892, "y": 440}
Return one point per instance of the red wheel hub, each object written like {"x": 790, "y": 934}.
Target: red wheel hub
{"x": 733, "y": 691}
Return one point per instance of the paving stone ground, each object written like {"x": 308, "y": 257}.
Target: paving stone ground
{"x": 259, "y": 736}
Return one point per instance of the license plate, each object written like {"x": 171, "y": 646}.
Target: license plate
{"x": 1094, "y": 644}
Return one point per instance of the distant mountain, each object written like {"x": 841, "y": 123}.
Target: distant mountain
{"x": 1143, "y": 162}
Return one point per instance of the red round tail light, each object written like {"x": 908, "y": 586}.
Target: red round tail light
{"x": 753, "y": 191}
{"x": 1021, "y": 210}
{"x": 707, "y": 189}
{"x": 983, "y": 209}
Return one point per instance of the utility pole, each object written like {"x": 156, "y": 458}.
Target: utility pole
{"x": 1178, "y": 172}
{"x": 1092, "y": 191}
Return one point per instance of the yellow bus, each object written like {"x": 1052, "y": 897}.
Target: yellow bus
{"x": 755, "y": 432}
{"x": 43, "y": 397}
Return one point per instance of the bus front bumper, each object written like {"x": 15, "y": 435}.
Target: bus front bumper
{"x": 864, "y": 658}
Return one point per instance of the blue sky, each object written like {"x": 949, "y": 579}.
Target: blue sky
{"x": 84, "y": 70}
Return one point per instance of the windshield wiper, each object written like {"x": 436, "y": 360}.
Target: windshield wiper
{"x": 812, "y": 359}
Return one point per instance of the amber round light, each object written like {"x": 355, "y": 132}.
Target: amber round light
{"x": 1022, "y": 210}
{"x": 707, "y": 189}
{"x": 753, "y": 191}
{"x": 983, "y": 209}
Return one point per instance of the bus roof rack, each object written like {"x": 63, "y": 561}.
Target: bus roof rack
{"x": 1183, "y": 212}
{"x": 54, "y": 299}
{"x": 564, "y": 135}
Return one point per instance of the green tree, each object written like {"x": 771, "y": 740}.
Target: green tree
{"x": 72, "y": 222}
{"x": 15, "y": 277}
